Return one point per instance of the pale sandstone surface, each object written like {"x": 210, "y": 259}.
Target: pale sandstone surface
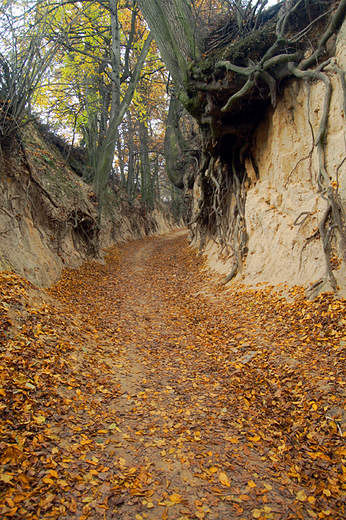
{"x": 285, "y": 185}
{"x": 39, "y": 235}
{"x": 28, "y": 248}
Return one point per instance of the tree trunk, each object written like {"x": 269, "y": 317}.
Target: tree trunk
{"x": 121, "y": 164}
{"x": 146, "y": 179}
{"x": 174, "y": 27}
{"x": 174, "y": 145}
{"x": 130, "y": 182}
{"x": 156, "y": 180}
{"x": 105, "y": 153}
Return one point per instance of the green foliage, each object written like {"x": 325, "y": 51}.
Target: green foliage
{"x": 26, "y": 55}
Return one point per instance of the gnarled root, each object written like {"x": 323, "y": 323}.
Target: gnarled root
{"x": 231, "y": 275}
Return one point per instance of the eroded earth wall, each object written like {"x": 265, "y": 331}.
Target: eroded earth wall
{"x": 283, "y": 203}
{"x": 49, "y": 217}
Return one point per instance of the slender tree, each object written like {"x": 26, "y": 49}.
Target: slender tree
{"x": 104, "y": 52}
{"x": 26, "y": 54}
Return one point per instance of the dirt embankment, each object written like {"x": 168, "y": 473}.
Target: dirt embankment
{"x": 284, "y": 206}
{"x": 149, "y": 391}
{"x": 49, "y": 216}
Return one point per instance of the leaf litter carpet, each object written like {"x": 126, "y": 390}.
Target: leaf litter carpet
{"x": 141, "y": 388}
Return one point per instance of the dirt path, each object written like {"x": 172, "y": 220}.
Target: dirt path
{"x": 176, "y": 399}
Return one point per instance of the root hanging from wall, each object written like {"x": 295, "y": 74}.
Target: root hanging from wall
{"x": 231, "y": 90}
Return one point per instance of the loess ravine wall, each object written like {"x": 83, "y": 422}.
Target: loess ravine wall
{"x": 49, "y": 218}
{"x": 283, "y": 205}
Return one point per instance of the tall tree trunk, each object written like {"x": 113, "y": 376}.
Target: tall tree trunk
{"x": 174, "y": 28}
{"x": 156, "y": 180}
{"x": 121, "y": 164}
{"x": 147, "y": 184}
{"x": 130, "y": 182}
{"x": 105, "y": 153}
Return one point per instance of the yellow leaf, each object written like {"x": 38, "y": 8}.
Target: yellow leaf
{"x": 10, "y": 502}
{"x": 267, "y": 486}
{"x": 53, "y": 473}
{"x": 256, "y": 513}
{"x": 213, "y": 469}
{"x": 93, "y": 461}
{"x": 233, "y": 440}
{"x": 39, "y": 419}
{"x": 319, "y": 454}
{"x": 251, "y": 484}
{"x": 5, "y": 477}
{"x": 224, "y": 479}
{"x": 176, "y": 499}
{"x": 47, "y": 480}
{"x": 301, "y": 495}
{"x": 197, "y": 436}
{"x": 87, "y": 500}
{"x": 255, "y": 438}
{"x": 327, "y": 492}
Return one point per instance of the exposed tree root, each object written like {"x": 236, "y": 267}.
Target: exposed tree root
{"x": 231, "y": 275}
{"x": 228, "y": 94}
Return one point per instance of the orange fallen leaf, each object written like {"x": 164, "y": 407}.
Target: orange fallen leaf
{"x": 47, "y": 480}
{"x": 301, "y": 495}
{"x": 224, "y": 479}
{"x": 175, "y": 498}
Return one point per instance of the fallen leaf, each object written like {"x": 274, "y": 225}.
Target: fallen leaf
{"x": 301, "y": 495}
{"x": 175, "y": 498}
{"x": 224, "y": 479}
